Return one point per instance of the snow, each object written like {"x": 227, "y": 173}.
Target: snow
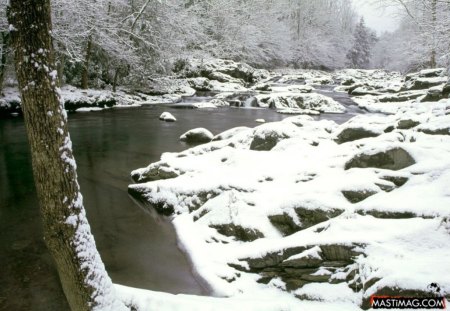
{"x": 198, "y": 134}
{"x": 167, "y": 116}
{"x": 271, "y": 301}
{"x": 311, "y": 101}
{"x": 226, "y": 184}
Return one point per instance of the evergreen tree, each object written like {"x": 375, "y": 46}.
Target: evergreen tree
{"x": 359, "y": 55}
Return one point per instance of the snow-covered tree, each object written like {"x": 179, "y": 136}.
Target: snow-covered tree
{"x": 360, "y": 53}
{"x": 422, "y": 39}
{"x": 66, "y": 229}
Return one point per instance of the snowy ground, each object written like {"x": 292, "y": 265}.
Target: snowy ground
{"x": 303, "y": 214}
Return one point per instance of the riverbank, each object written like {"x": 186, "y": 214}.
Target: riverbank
{"x": 318, "y": 211}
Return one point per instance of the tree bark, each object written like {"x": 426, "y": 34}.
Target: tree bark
{"x": 116, "y": 77}
{"x": 5, "y": 39}
{"x": 433, "y": 25}
{"x": 87, "y": 59}
{"x": 66, "y": 229}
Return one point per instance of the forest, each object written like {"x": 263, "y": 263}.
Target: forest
{"x": 109, "y": 42}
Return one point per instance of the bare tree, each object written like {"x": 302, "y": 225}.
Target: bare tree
{"x": 66, "y": 230}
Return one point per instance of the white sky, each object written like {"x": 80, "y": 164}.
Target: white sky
{"x": 376, "y": 17}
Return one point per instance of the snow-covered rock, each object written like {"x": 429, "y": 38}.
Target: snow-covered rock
{"x": 311, "y": 101}
{"x": 167, "y": 116}
{"x": 197, "y": 136}
{"x": 424, "y": 83}
{"x": 223, "y": 70}
{"x": 283, "y": 209}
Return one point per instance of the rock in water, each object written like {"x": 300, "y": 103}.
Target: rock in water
{"x": 167, "y": 116}
{"x": 391, "y": 159}
{"x": 197, "y": 136}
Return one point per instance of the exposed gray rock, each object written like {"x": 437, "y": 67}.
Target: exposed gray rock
{"x": 436, "y": 131}
{"x": 355, "y": 196}
{"x": 160, "y": 206}
{"x": 354, "y": 133}
{"x": 312, "y": 217}
{"x": 446, "y": 90}
{"x": 391, "y": 159}
{"x": 434, "y": 94}
{"x": 157, "y": 171}
{"x": 406, "y": 124}
{"x": 362, "y": 91}
{"x": 239, "y": 232}
{"x": 300, "y": 270}
{"x": 284, "y": 223}
{"x": 397, "y": 180}
{"x": 401, "y": 97}
{"x": 387, "y": 214}
{"x": 423, "y": 83}
{"x": 200, "y": 84}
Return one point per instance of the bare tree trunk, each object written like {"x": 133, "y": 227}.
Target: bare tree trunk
{"x": 5, "y": 39}
{"x": 433, "y": 25}
{"x": 116, "y": 77}
{"x": 60, "y": 64}
{"x": 87, "y": 59}
{"x": 66, "y": 229}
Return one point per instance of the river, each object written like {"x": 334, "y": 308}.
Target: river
{"x": 138, "y": 249}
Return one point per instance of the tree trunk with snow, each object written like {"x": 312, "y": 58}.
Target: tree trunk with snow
{"x": 66, "y": 230}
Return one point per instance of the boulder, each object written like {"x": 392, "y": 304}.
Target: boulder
{"x": 230, "y": 133}
{"x": 298, "y": 266}
{"x": 432, "y": 73}
{"x": 424, "y": 83}
{"x": 446, "y": 90}
{"x": 311, "y": 217}
{"x": 401, "y": 97}
{"x": 355, "y": 196}
{"x": 407, "y": 124}
{"x": 434, "y": 94}
{"x": 267, "y": 136}
{"x": 284, "y": 223}
{"x": 362, "y": 91}
{"x": 392, "y": 159}
{"x": 197, "y": 136}
{"x": 238, "y": 232}
{"x": 354, "y": 133}
{"x": 386, "y": 214}
{"x": 200, "y": 84}
{"x": 167, "y": 116}
{"x": 155, "y": 171}
{"x": 309, "y": 101}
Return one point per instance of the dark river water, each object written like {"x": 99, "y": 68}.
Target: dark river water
{"x": 138, "y": 250}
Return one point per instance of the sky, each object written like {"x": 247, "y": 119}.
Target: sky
{"x": 376, "y": 18}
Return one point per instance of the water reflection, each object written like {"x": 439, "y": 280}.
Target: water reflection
{"x": 137, "y": 250}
